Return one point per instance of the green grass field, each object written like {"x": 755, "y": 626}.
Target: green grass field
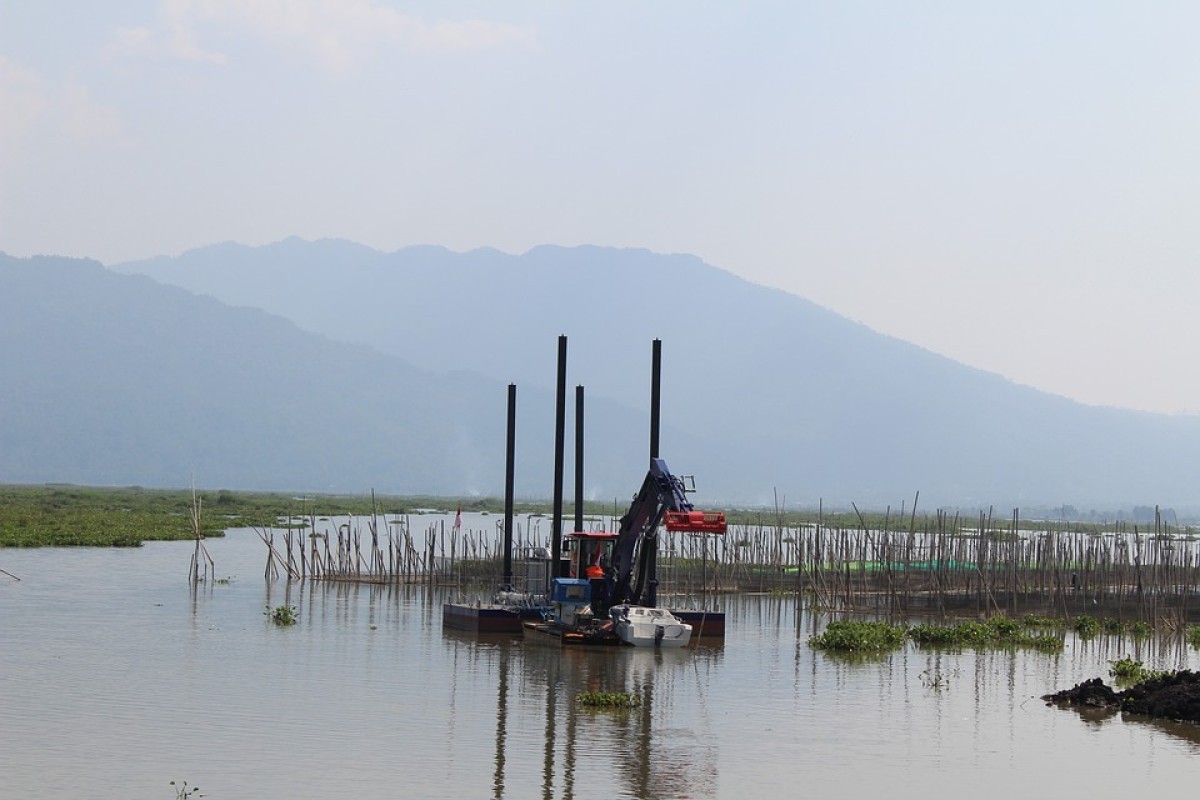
{"x": 60, "y": 515}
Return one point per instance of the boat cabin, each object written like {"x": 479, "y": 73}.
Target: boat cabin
{"x": 589, "y": 556}
{"x": 589, "y": 553}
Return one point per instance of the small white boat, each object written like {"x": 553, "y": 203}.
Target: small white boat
{"x": 649, "y": 627}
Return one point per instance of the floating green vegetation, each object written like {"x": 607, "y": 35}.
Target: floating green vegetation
{"x": 68, "y": 515}
{"x": 960, "y": 635}
{"x": 1140, "y": 630}
{"x": 1087, "y": 627}
{"x": 55, "y": 515}
{"x": 1046, "y": 642}
{"x": 995, "y": 632}
{"x": 850, "y": 636}
{"x": 1193, "y": 635}
{"x": 1034, "y": 621}
{"x": 866, "y": 637}
{"x": 1127, "y": 672}
{"x": 1119, "y": 627}
{"x": 282, "y": 615}
{"x": 609, "y": 699}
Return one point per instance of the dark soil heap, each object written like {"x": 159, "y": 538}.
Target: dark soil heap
{"x": 1174, "y": 696}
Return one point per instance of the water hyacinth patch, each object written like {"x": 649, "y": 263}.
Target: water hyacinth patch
{"x": 866, "y": 637}
{"x": 995, "y": 632}
{"x": 282, "y": 615}
{"x": 609, "y": 699}
{"x": 859, "y": 636}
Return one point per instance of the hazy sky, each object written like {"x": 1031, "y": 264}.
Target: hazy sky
{"x": 1012, "y": 184}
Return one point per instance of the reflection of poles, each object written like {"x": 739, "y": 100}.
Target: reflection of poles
{"x": 548, "y": 762}
{"x": 641, "y": 778}
{"x": 569, "y": 755}
{"x": 501, "y": 727}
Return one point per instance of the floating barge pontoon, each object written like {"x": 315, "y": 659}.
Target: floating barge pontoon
{"x": 552, "y": 633}
{"x": 487, "y": 617}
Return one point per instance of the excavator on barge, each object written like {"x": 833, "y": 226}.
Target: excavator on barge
{"x": 608, "y": 595}
{"x": 595, "y": 588}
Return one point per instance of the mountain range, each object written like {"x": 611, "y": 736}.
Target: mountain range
{"x": 329, "y": 366}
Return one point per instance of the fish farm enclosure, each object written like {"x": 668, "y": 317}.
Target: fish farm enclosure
{"x": 936, "y": 564}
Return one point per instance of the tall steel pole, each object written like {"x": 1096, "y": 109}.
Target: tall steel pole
{"x": 560, "y": 424}
{"x": 509, "y": 465}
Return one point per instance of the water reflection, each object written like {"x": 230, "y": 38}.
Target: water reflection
{"x": 642, "y": 752}
{"x": 1098, "y": 719}
{"x": 115, "y": 674}
{"x": 1184, "y": 731}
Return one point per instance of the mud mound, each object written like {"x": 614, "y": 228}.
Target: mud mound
{"x": 1175, "y": 696}
{"x": 1092, "y": 694}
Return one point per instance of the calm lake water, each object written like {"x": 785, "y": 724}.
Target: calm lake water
{"x": 116, "y": 678}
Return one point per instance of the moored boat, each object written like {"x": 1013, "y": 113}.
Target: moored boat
{"x": 641, "y": 626}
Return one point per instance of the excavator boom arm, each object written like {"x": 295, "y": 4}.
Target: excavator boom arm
{"x": 662, "y": 496}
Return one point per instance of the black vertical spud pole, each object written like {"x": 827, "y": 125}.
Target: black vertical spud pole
{"x": 579, "y": 458}
{"x": 509, "y": 466}
{"x": 655, "y": 395}
{"x": 560, "y": 423}
{"x": 651, "y": 540}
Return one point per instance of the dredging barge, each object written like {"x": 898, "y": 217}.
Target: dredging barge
{"x": 617, "y": 571}
{"x": 591, "y": 573}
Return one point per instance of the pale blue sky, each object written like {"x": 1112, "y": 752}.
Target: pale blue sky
{"x": 1011, "y": 184}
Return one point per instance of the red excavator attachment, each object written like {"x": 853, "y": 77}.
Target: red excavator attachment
{"x": 696, "y": 521}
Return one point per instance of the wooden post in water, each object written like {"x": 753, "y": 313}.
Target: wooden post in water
{"x": 200, "y": 558}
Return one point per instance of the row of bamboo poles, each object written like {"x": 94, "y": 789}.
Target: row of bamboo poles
{"x": 202, "y": 566}
{"x": 938, "y": 563}
{"x": 388, "y": 551}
